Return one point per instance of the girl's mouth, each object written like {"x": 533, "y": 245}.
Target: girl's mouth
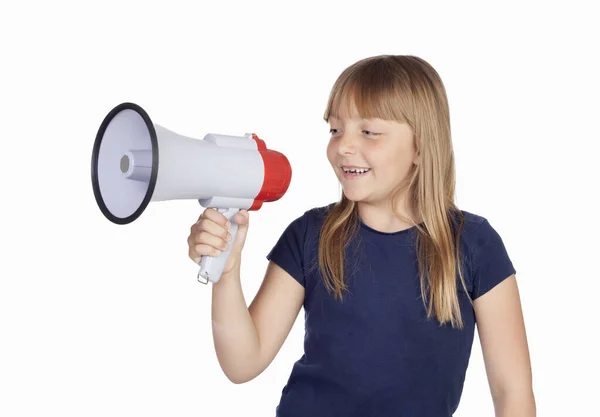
{"x": 355, "y": 174}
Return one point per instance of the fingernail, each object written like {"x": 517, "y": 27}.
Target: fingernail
{"x": 228, "y": 224}
{"x": 229, "y": 237}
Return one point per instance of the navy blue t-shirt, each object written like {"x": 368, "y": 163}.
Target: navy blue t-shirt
{"x": 375, "y": 353}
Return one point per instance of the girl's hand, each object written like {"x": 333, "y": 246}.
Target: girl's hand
{"x": 209, "y": 236}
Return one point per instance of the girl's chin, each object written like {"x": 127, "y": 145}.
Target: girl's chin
{"x": 354, "y": 195}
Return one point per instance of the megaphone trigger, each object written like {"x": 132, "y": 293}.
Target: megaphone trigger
{"x": 212, "y": 267}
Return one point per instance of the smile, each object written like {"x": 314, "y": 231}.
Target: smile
{"x": 355, "y": 174}
{"x": 356, "y": 170}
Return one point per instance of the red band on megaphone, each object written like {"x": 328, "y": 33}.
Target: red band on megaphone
{"x": 278, "y": 174}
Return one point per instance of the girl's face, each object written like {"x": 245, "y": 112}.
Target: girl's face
{"x": 387, "y": 148}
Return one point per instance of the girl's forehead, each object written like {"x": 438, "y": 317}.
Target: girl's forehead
{"x": 347, "y": 110}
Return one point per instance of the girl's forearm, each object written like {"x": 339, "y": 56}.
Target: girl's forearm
{"x": 234, "y": 334}
{"x": 516, "y": 405}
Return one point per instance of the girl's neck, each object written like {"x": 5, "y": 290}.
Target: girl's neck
{"x": 382, "y": 218}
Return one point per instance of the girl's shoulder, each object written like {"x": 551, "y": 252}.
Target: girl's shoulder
{"x": 472, "y": 221}
{"x": 483, "y": 241}
{"x": 315, "y": 215}
{"x": 489, "y": 258}
{"x": 308, "y": 222}
{"x": 477, "y": 227}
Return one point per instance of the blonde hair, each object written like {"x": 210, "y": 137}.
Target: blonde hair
{"x": 408, "y": 90}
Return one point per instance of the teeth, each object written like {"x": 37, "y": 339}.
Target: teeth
{"x": 354, "y": 171}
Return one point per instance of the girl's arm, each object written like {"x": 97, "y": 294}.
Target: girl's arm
{"x": 503, "y": 340}
{"x": 247, "y": 339}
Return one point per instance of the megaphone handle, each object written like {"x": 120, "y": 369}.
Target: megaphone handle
{"x": 212, "y": 267}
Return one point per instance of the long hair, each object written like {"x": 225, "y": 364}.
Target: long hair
{"x": 408, "y": 90}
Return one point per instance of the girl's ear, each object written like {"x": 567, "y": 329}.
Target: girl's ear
{"x": 417, "y": 159}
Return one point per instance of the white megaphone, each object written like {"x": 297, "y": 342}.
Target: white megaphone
{"x": 135, "y": 161}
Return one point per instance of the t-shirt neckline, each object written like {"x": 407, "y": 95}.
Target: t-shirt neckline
{"x": 379, "y": 232}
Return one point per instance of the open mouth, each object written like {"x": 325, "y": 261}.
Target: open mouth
{"x": 355, "y": 173}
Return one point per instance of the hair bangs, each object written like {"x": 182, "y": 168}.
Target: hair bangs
{"x": 366, "y": 95}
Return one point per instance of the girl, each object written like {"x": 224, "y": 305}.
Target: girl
{"x": 392, "y": 278}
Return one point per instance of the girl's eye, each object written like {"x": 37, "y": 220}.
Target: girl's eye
{"x": 372, "y": 133}
{"x": 333, "y": 131}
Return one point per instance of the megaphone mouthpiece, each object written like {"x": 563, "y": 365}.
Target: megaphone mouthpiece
{"x": 277, "y": 175}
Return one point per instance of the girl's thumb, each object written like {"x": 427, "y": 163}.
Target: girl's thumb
{"x": 242, "y": 219}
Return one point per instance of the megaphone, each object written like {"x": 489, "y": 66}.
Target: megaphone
{"x": 136, "y": 161}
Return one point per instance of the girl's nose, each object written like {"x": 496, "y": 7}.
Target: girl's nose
{"x": 346, "y": 144}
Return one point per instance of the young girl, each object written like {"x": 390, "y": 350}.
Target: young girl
{"x": 392, "y": 278}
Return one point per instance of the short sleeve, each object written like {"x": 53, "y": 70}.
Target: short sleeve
{"x": 288, "y": 252}
{"x": 491, "y": 264}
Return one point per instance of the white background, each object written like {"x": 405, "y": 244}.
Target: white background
{"x": 98, "y": 319}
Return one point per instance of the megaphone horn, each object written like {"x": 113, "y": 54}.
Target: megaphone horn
{"x": 136, "y": 161}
